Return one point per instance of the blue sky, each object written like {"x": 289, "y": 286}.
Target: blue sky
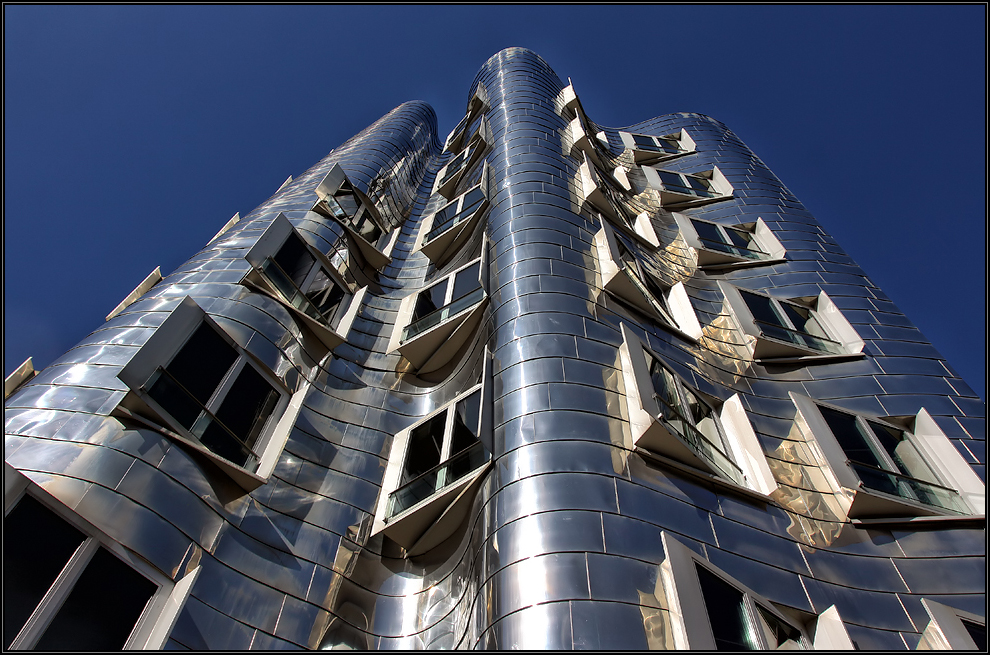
{"x": 132, "y": 134}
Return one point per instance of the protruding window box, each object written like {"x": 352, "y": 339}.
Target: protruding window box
{"x": 793, "y": 330}
{"x": 723, "y": 247}
{"x": 681, "y": 190}
{"x": 345, "y": 203}
{"x": 600, "y": 194}
{"x": 710, "y": 610}
{"x": 648, "y": 149}
{"x": 952, "y": 629}
{"x": 885, "y": 469}
{"x": 193, "y": 383}
{"x": 473, "y": 124}
{"x": 304, "y": 280}
{"x": 432, "y": 325}
{"x": 626, "y": 277}
{"x": 434, "y": 471}
{"x": 446, "y": 231}
{"x": 669, "y": 419}
{"x": 455, "y": 169}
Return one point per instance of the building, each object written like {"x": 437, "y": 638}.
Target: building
{"x": 546, "y": 384}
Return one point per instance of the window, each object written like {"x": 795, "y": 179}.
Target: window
{"x": 713, "y": 611}
{"x": 195, "y": 384}
{"x": 433, "y": 324}
{"x": 793, "y": 329}
{"x": 473, "y": 125}
{"x": 56, "y": 595}
{"x": 952, "y": 629}
{"x": 688, "y": 189}
{"x": 670, "y": 419}
{"x": 344, "y": 203}
{"x": 450, "y": 176}
{"x": 451, "y": 225}
{"x": 635, "y": 279}
{"x": 434, "y": 466}
{"x": 730, "y": 246}
{"x": 304, "y": 280}
{"x": 647, "y": 148}
{"x": 608, "y": 200}
{"x": 889, "y": 468}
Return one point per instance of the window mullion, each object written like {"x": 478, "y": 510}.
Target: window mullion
{"x": 52, "y": 602}
{"x": 218, "y": 396}
{"x": 448, "y": 433}
{"x": 876, "y": 446}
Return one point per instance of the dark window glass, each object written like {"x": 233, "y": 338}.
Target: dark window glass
{"x": 467, "y": 281}
{"x": 741, "y": 238}
{"x": 779, "y": 635}
{"x": 430, "y": 300}
{"x": 762, "y": 308}
{"x": 325, "y": 295}
{"x": 347, "y": 200}
{"x": 708, "y": 232}
{"x": 101, "y": 609}
{"x": 726, "y": 613}
{"x": 37, "y": 544}
{"x": 671, "y": 179}
{"x": 644, "y": 142}
{"x": 175, "y": 400}
{"x": 425, "y": 446}
{"x": 367, "y": 228}
{"x": 977, "y": 632}
{"x": 698, "y": 184}
{"x": 853, "y": 442}
{"x": 295, "y": 259}
{"x": 247, "y": 405}
{"x": 202, "y": 363}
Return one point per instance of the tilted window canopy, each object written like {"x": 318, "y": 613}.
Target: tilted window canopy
{"x": 648, "y": 149}
{"x": 447, "y": 230}
{"x": 721, "y": 246}
{"x": 345, "y": 203}
{"x": 681, "y": 190}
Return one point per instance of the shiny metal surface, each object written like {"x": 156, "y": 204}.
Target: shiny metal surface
{"x": 561, "y": 546}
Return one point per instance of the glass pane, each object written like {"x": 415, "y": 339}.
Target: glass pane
{"x": 102, "y": 608}
{"x": 468, "y": 415}
{"x": 704, "y": 419}
{"x": 699, "y": 186}
{"x": 977, "y": 632}
{"x": 804, "y": 320}
{"x": 742, "y": 238}
{"x": 664, "y": 385}
{"x": 467, "y": 281}
{"x": 214, "y": 436}
{"x": 644, "y": 142}
{"x": 762, "y": 308}
{"x": 325, "y": 295}
{"x": 726, "y": 613}
{"x": 854, "y": 443}
{"x": 709, "y": 233}
{"x": 174, "y": 400}
{"x": 248, "y": 404}
{"x": 367, "y": 228}
{"x": 430, "y": 300}
{"x": 424, "y": 448}
{"x": 903, "y": 452}
{"x": 37, "y": 544}
{"x": 778, "y": 635}
{"x": 295, "y": 259}
{"x": 202, "y": 363}
{"x": 347, "y": 200}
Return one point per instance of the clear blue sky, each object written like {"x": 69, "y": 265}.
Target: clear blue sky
{"x": 133, "y": 133}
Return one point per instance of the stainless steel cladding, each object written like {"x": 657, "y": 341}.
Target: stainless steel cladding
{"x": 539, "y": 383}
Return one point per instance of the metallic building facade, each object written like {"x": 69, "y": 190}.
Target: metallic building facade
{"x": 562, "y": 533}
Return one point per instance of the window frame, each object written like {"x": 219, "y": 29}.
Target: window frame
{"x": 155, "y": 623}
{"x": 428, "y": 522}
{"x": 444, "y": 245}
{"x": 679, "y": 585}
{"x": 685, "y": 146}
{"x": 601, "y": 194}
{"x": 768, "y": 349}
{"x": 163, "y": 346}
{"x": 334, "y": 331}
{"x": 652, "y": 434}
{"x": 945, "y": 629}
{"x": 714, "y": 259}
{"x": 675, "y": 312}
{"x": 720, "y": 187}
{"x": 376, "y": 255}
{"x": 866, "y": 506}
{"x": 446, "y": 182}
{"x": 432, "y": 348}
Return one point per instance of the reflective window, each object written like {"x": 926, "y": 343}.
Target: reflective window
{"x": 346, "y": 206}
{"x": 216, "y": 394}
{"x": 886, "y": 460}
{"x": 440, "y": 451}
{"x": 738, "y": 622}
{"x": 445, "y": 299}
{"x": 455, "y": 212}
{"x": 643, "y": 275}
{"x": 96, "y": 606}
{"x": 730, "y": 240}
{"x": 302, "y": 281}
{"x": 977, "y": 632}
{"x": 692, "y": 419}
{"x": 787, "y": 321}
{"x": 686, "y": 184}
{"x": 665, "y": 145}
